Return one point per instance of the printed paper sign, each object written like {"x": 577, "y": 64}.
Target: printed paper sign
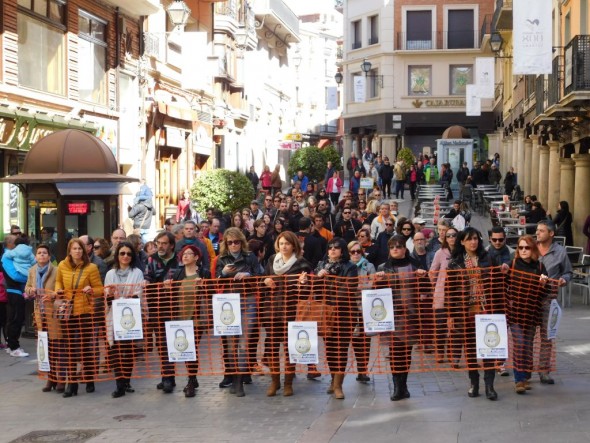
{"x": 303, "y": 342}
{"x": 378, "y": 310}
{"x": 491, "y": 336}
{"x": 227, "y": 317}
{"x": 43, "y": 352}
{"x": 367, "y": 183}
{"x": 180, "y": 338}
{"x": 553, "y": 320}
{"x": 127, "y": 321}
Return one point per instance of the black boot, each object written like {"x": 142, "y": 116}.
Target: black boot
{"x": 90, "y": 387}
{"x": 489, "y": 376}
{"x": 189, "y": 389}
{"x": 226, "y": 382}
{"x": 71, "y": 390}
{"x": 474, "y": 388}
{"x": 121, "y": 388}
{"x": 168, "y": 384}
{"x": 405, "y": 392}
{"x": 49, "y": 386}
{"x": 237, "y": 386}
{"x": 397, "y": 388}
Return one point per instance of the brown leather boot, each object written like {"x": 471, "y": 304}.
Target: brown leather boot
{"x": 330, "y": 389}
{"x": 288, "y": 387}
{"x": 275, "y": 385}
{"x": 338, "y": 393}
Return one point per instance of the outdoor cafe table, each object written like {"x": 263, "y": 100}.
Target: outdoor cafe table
{"x": 520, "y": 229}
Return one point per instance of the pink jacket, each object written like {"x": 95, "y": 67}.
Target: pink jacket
{"x": 265, "y": 179}
{"x": 438, "y": 275}
{"x": 331, "y": 184}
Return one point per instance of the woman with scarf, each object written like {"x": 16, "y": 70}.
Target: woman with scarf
{"x": 342, "y": 294}
{"x": 40, "y": 285}
{"x": 525, "y": 280}
{"x": 78, "y": 281}
{"x": 401, "y": 274}
{"x": 280, "y": 305}
{"x": 469, "y": 291}
{"x": 361, "y": 342}
{"x": 236, "y": 262}
{"x": 191, "y": 304}
{"x": 124, "y": 280}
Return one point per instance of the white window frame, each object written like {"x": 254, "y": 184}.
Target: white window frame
{"x": 405, "y": 10}
{"x": 370, "y": 29}
{"x": 476, "y": 27}
{"x": 353, "y": 35}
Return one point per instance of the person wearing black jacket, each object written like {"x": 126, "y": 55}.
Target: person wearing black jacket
{"x": 341, "y": 293}
{"x": 401, "y": 273}
{"x": 260, "y": 234}
{"x": 280, "y": 305}
{"x": 469, "y": 293}
{"x": 386, "y": 175}
{"x": 563, "y": 222}
{"x": 347, "y": 227}
{"x": 236, "y": 262}
{"x": 314, "y": 246}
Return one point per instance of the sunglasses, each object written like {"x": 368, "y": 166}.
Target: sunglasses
{"x": 406, "y": 229}
{"x": 388, "y": 224}
{"x": 397, "y": 247}
{"x": 96, "y": 246}
{"x": 451, "y": 236}
{"x": 124, "y": 253}
{"x": 497, "y": 240}
{"x": 524, "y": 248}
{"x": 233, "y": 242}
{"x": 346, "y": 212}
{"x": 356, "y": 251}
{"x": 334, "y": 247}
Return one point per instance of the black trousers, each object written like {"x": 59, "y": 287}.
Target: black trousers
{"x": 15, "y": 319}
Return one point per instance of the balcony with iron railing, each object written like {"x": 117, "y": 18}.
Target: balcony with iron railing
{"x": 450, "y": 40}
{"x": 277, "y": 17}
{"x": 555, "y": 82}
{"x": 540, "y": 95}
{"x": 577, "y": 68}
{"x": 502, "y": 20}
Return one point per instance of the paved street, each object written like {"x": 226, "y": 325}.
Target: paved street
{"x": 439, "y": 410}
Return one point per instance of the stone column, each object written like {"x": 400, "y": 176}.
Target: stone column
{"x": 504, "y": 162}
{"x": 581, "y": 207}
{"x": 553, "y": 178}
{"x": 388, "y": 146}
{"x": 534, "y": 165}
{"x": 493, "y": 145}
{"x": 543, "y": 174}
{"x": 513, "y": 145}
{"x": 519, "y": 165}
{"x": 566, "y": 182}
{"x": 527, "y": 165}
{"x": 346, "y": 151}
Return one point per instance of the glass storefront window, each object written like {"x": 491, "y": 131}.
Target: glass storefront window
{"x": 42, "y": 223}
{"x": 84, "y": 217}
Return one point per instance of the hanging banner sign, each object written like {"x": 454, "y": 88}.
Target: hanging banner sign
{"x": 485, "y": 77}
{"x": 303, "y": 342}
{"x": 359, "y": 88}
{"x": 127, "y": 321}
{"x": 378, "y": 314}
{"x": 473, "y": 102}
{"x": 227, "y": 316}
{"x": 331, "y": 98}
{"x": 491, "y": 336}
{"x": 180, "y": 338}
{"x": 553, "y": 320}
{"x": 43, "y": 352}
{"x": 532, "y": 37}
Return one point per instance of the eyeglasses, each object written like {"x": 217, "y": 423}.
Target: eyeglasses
{"x": 451, "y": 236}
{"x": 419, "y": 239}
{"x": 124, "y": 253}
{"x": 233, "y": 242}
{"x": 397, "y": 247}
{"x": 334, "y": 247}
{"x": 497, "y": 240}
{"x": 524, "y": 248}
{"x": 356, "y": 251}
{"x": 96, "y": 246}
{"x": 388, "y": 224}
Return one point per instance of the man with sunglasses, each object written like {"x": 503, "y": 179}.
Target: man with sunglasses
{"x": 381, "y": 243}
{"x": 499, "y": 251}
{"x": 347, "y": 227}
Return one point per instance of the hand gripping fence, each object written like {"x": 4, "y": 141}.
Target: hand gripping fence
{"x": 445, "y": 321}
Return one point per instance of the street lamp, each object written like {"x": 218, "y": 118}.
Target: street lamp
{"x": 366, "y": 68}
{"x": 496, "y": 43}
{"x": 179, "y": 13}
{"x": 338, "y": 77}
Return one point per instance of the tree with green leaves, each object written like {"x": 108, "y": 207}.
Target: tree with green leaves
{"x": 407, "y": 156}
{"x": 313, "y": 160}
{"x": 227, "y": 191}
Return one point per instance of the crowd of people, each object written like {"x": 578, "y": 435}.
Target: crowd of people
{"x": 289, "y": 240}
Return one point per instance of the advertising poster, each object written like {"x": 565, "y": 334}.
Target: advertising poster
{"x": 180, "y": 338}
{"x": 491, "y": 336}
{"x": 127, "y": 321}
{"x": 553, "y": 320}
{"x": 303, "y": 342}
{"x": 227, "y": 318}
{"x": 378, "y": 310}
{"x": 42, "y": 352}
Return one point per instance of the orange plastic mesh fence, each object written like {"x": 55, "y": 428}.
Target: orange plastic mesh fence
{"x": 150, "y": 330}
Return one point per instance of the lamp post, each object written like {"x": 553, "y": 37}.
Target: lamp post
{"x": 496, "y": 44}
{"x": 366, "y": 68}
{"x": 179, "y": 13}
{"x": 338, "y": 77}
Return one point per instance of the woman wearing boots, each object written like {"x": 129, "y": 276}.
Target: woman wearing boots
{"x": 78, "y": 280}
{"x": 361, "y": 342}
{"x": 343, "y": 295}
{"x": 400, "y": 274}
{"x": 190, "y": 306}
{"x": 40, "y": 284}
{"x": 125, "y": 280}
{"x": 280, "y": 305}
{"x": 468, "y": 292}
{"x": 236, "y": 262}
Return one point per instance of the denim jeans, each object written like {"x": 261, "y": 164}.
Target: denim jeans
{"x": 522, "y": 350}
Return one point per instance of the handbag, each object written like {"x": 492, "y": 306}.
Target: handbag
{"x": 310, "y": 309}
{"x": 62, "y": 307}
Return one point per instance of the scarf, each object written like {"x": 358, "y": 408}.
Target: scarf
{"x": 476, "y": 294}
{"x": 361, "y": 263}
{"x": 280, "y": 267}
{"x": 42, "y": 274}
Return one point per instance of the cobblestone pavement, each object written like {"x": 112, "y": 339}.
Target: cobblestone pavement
{"x": 438, "y": 411}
